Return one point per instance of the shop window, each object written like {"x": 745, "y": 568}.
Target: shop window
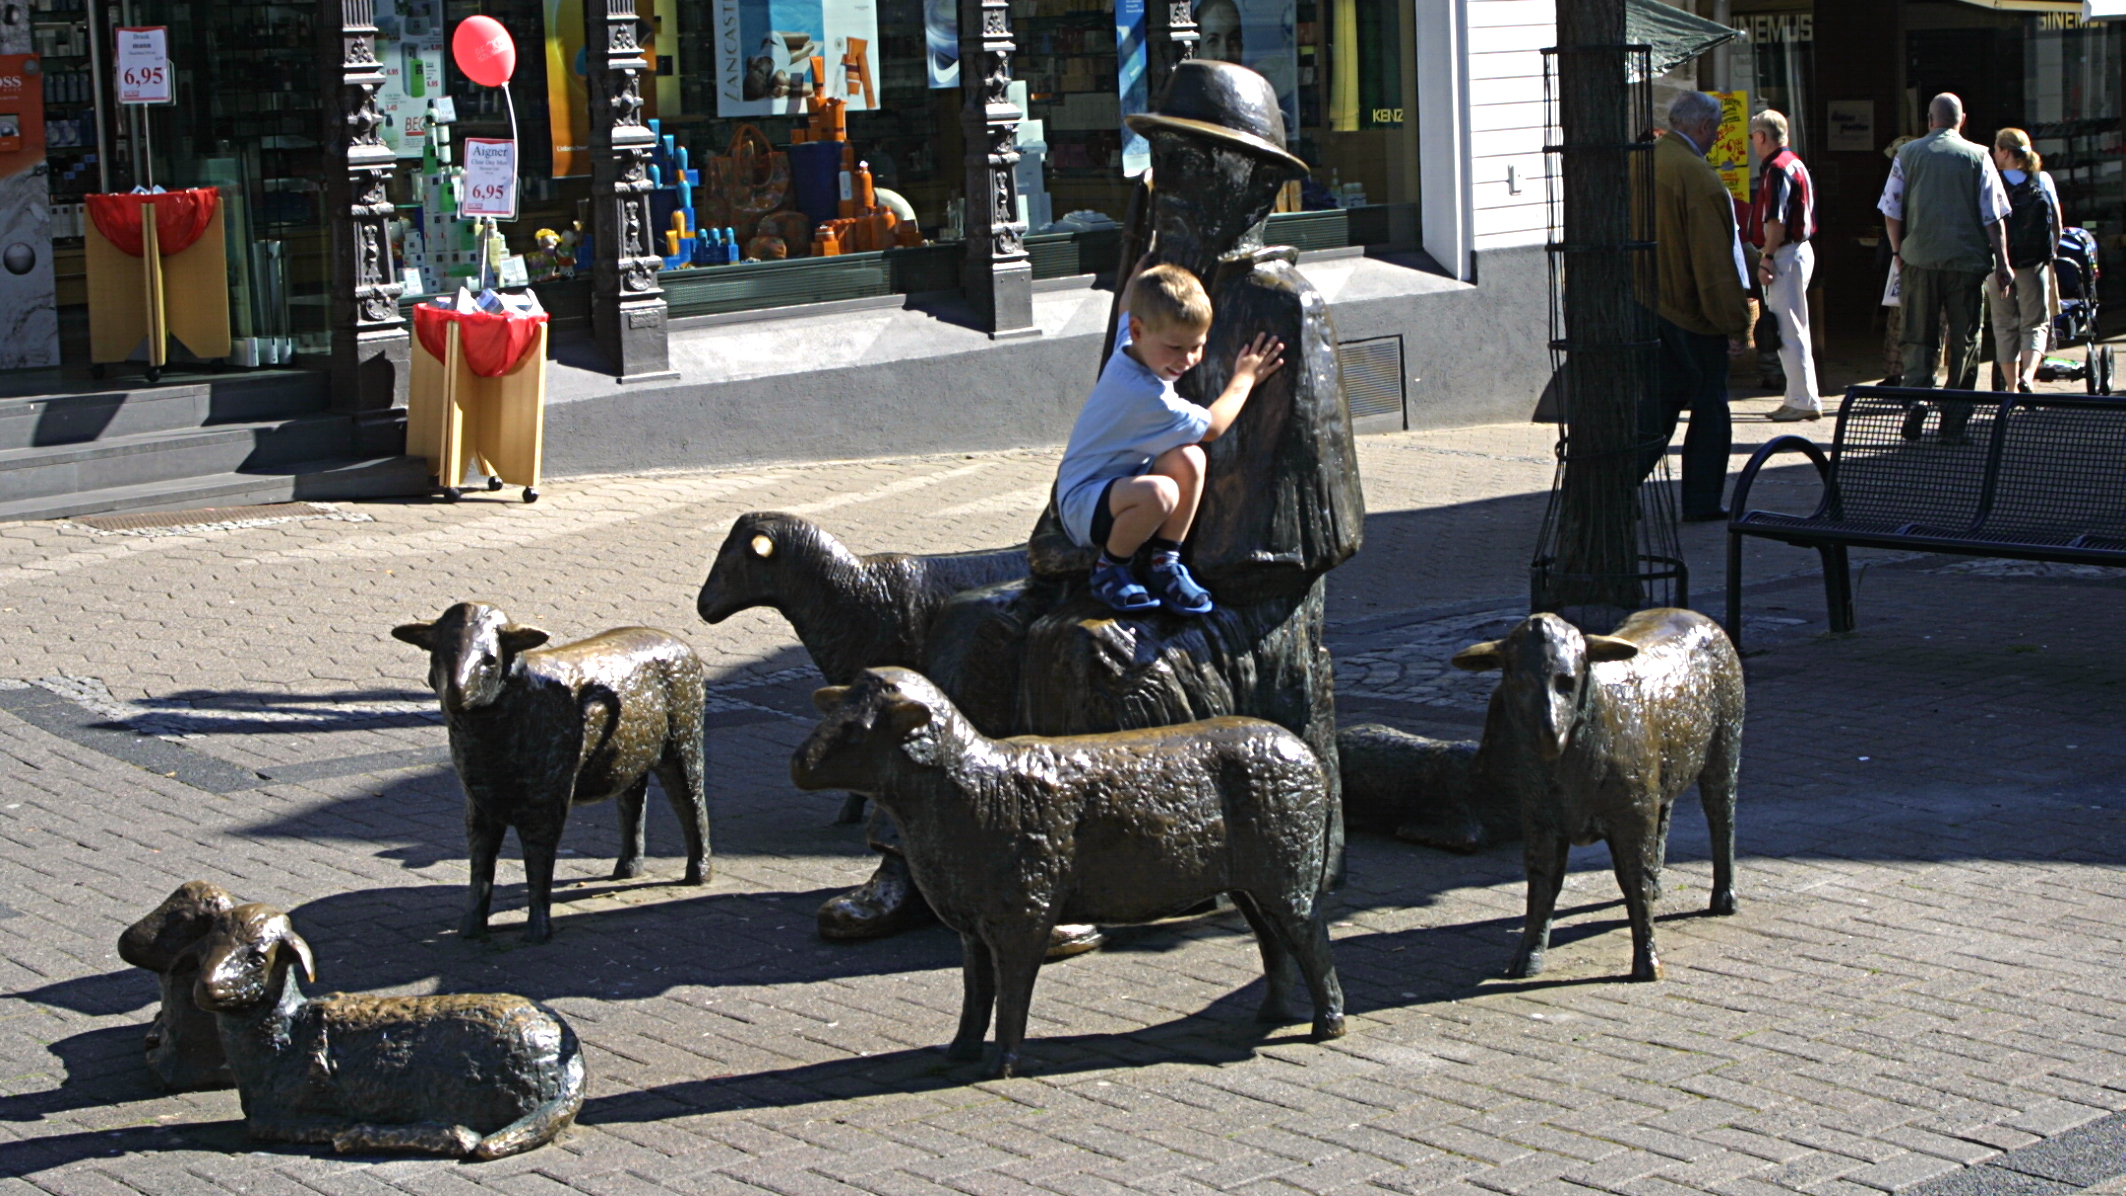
{"x": 1355, "y": 97}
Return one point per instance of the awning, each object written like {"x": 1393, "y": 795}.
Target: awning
{"x": 2073, "y": 7}
{"x": 1677, "y": 36}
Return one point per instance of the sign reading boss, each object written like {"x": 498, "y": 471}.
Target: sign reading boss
{"x": 144, "y": 66}
{"x": 490, "y": 178}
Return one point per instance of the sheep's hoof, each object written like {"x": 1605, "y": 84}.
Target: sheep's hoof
{"x": 1723, "y": 903}
{"x": 964, "y": 1052}
{"x": 696, "y": 875}
{"x": 538, "y": 932}
{"x": 1326, "y": 1028}
{"x": 1646, "y": 969}
{"x": 626, "y": 870}
{"x": 473, "y": 927}
{"x": 1525, "y": 966}
{"x": 1007, "y": 1067}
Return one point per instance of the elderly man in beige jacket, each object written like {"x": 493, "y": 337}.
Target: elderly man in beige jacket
{"x": 1703, "y": 304}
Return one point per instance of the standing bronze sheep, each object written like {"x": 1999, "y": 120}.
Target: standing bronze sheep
{"x": 467, "y": 1075}
{"x": 533, "y": 732}
{"x": 1610, "y": 730}
{"x": 1007, "y": 837}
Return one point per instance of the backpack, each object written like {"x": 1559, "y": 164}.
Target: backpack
{"x": 2031, "y": 231}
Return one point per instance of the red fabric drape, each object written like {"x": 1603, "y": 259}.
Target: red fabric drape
{"x": 180, "y": 218}
{"x": 493, "y": 341}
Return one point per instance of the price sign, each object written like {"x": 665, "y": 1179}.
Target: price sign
{"x": 144, "y": 66}
{"x": 490, "y": 178}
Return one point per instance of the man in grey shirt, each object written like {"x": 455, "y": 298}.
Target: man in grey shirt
{"x": 1945, "y": 209}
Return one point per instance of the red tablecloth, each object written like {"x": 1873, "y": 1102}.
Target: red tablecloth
{"x": 180, "y": 218}
{"x": 493, "y": 342}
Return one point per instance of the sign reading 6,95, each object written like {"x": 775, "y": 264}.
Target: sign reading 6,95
{"x": 490, "y": 178}
{"x": 144, "y": 75}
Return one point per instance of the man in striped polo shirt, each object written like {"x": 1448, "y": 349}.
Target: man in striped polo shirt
{"x": 1782, "y": 224}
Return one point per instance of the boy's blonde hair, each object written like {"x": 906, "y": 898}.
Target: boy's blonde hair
{"x": 1168, "y": 296}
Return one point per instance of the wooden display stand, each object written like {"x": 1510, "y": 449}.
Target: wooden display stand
{"x": 127, "y": 297}
{"x": 457, "y": 418}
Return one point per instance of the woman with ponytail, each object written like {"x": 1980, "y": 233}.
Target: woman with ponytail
{"x": 2022, "y": 318}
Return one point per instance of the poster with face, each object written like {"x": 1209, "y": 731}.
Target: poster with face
{"x": 765, "y": 48}
{"x": 1261, "y": 35}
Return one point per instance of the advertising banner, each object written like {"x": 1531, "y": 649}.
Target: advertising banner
{"x": 941, "y": 42}
{"x": 409, "y": 44}
{"x": 1261, "y": 35}
{"x": 568, "y": 97}
{"x": 765, "y": 48}
{"x": 1131, "y": 84}
{"x": 29, "y": 314}
{"x": 144, "y": 66}
{"x": 1730, "y": 154}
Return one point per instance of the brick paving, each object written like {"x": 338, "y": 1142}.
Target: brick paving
{"x": 1921, "y": 985}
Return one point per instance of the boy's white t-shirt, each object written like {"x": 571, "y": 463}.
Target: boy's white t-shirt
{"x": 1131, "y": 416}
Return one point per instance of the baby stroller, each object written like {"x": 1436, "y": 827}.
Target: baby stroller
{"x": 2074, "y": 274}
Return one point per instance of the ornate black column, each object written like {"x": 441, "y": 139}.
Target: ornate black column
{"x": 1169, "y": 40}
{"x": 627, "y": 306}
{"x": 370, "y": 346}
{"x": 998, "y": 275}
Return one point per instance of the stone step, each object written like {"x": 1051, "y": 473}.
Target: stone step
{"x": 170, "y": 456}
{"x": 314, "y": 481}
{"x": 78, "y": 413}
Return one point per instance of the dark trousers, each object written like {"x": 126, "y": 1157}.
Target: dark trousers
{"x": 1692, "y": 374}
{"x": 1927, "y": 295}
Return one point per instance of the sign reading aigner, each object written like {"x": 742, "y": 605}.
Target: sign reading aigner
{"x": 144, "y": 66}
{"x": 490, "y": 178}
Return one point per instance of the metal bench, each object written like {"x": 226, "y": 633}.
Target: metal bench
{"x": 2032, "y": 477}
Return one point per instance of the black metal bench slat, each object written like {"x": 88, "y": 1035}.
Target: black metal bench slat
{"x": 2030, "y": 477}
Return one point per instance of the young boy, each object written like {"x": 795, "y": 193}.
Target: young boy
{"x": 1133, "y": 472}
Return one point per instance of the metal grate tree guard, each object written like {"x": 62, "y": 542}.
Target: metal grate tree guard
{"x": 1609, "y": 542}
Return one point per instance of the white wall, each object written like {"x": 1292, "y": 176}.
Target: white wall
{"x": 1505, "y": 104}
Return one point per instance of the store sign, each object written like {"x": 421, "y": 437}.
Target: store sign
{"x": 144, "y": 66}
{"x": 490, "y": 178}
{"x": 1850, "y": 125}
{"x": 764, "y": 51}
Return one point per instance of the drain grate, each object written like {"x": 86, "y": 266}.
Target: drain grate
{"x": 257, "y": 515}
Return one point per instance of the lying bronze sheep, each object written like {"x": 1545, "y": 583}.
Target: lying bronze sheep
{"x": 184, "y": 1044}
{"x": 466, "y": 1075}
{"x": 534, "y": 731}
{"x": 1009, "y": 837}
{"x": 1610, "y": 730}
{"x": 1422, "y": 790}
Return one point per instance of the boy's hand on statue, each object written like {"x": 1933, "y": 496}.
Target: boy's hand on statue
{"x": 1263, "y": 356}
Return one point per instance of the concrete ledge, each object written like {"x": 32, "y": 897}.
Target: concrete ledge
{"x": 911, "y": 374}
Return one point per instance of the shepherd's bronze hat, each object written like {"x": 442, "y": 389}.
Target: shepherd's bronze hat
{"x": 1223, "y": 102}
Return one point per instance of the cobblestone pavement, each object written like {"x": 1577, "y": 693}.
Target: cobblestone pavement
{"x": 1922, "y": 981}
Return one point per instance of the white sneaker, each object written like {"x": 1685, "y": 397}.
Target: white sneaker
{"x": 1788, "y": 415}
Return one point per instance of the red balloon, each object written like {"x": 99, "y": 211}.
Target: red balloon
{"x": 483, "y": 50}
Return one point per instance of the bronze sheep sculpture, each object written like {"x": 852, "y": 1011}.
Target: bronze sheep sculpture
{"x": 1610, "y": 730}
{"x": 184, "y": 1043}
{"x": 468, "y": 1075}
{"x": 534, "y": 731}
{"x": 1009, "y": 837}
{"x": 1443, "y": 793}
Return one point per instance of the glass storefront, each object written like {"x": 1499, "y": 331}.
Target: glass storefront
{"x": 249, "y": 116}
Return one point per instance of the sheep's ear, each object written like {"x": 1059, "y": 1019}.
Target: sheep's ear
{"x": 903, "y": 716}
{"x": 828, "y": 698}
{"x": 288, "y": 938}
{"x": 1477, "y": 657}
{"x": 518, "y": 638}
{"x": 763, "y": 546}
{"x": 1601, "y": 649}
{"x": 420, "y": 635}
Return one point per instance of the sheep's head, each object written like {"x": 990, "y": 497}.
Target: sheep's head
{"x": 242, "y": 957}
{"x": 1545, "y": 664}
{"x": 470, "y": 649}
{"x": 887, "y": 713}
{"x": 750, "y": 568}
{"x": 157, "y": 941}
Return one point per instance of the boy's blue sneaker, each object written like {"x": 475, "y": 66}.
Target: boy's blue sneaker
{"x": 1118, "y": 588}
{"x": 1179, "y": 591}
